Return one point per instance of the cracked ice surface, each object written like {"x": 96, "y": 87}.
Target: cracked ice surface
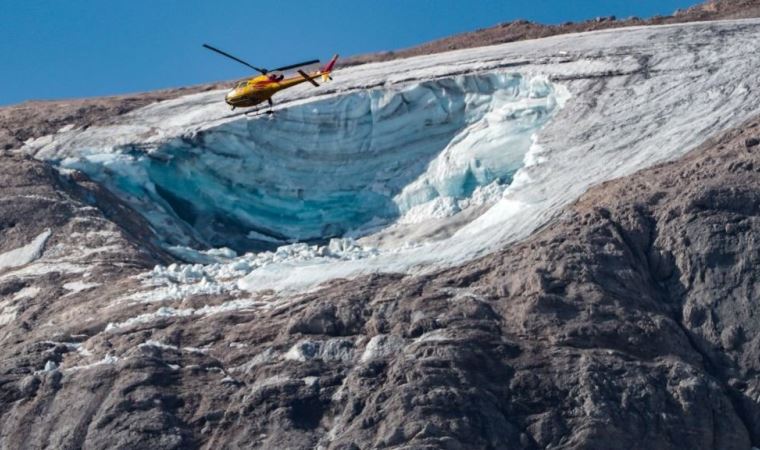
{"x": 632, "y": 98}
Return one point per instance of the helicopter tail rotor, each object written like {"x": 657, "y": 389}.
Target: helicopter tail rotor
{"x": 328, "y": 68}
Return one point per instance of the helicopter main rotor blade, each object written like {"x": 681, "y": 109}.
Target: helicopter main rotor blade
{"x": 257, "y": 69}
{"x": 293, "y": 66}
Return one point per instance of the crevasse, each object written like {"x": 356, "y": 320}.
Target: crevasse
{"x": 347, "y": 164}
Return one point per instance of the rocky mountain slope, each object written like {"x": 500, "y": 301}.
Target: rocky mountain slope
{"x": 629, "y": 320}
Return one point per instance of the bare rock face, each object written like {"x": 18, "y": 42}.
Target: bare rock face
{"x": 629, "y": 323}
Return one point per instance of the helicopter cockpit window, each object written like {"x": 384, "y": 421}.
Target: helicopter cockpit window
{"x": 242, "y": 84}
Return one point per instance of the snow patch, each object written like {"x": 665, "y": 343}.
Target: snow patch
{"x": 26, "y": 254}
{"x": 166, "y": 312}
{"x": 42, "y": 268}
{"x": 157, "y": 344}
{"x": 26, "y": 293}
{"x": 75, "y": 287}
{"x": 107, "y": 360}
{"x": 66, "y": 128}
{"x": 8, "y": 314}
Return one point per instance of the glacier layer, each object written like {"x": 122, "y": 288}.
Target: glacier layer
{"x": 433, "y": 160}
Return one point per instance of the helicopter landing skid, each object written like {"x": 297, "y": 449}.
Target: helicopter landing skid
{"x": 256, "y": 113}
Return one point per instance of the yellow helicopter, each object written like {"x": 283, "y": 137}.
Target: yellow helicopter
{"x": 261, "y": 88}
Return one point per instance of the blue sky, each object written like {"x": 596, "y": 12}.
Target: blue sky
{"x": 81, "y": 48}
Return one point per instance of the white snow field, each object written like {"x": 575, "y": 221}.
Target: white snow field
{"x": 414, "y": 164}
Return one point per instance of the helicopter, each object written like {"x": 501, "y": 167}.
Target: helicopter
{"x": 261, "y": 88}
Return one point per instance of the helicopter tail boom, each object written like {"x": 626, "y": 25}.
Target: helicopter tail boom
{"x": 327, "y": 69}
{"x": 308, "y": 78}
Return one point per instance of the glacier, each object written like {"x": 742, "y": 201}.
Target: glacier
{"x": 414, "y": 164}
{"x": 330, "y": 167}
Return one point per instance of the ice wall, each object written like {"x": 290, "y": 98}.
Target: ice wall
{"x": 347, "y": 164}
